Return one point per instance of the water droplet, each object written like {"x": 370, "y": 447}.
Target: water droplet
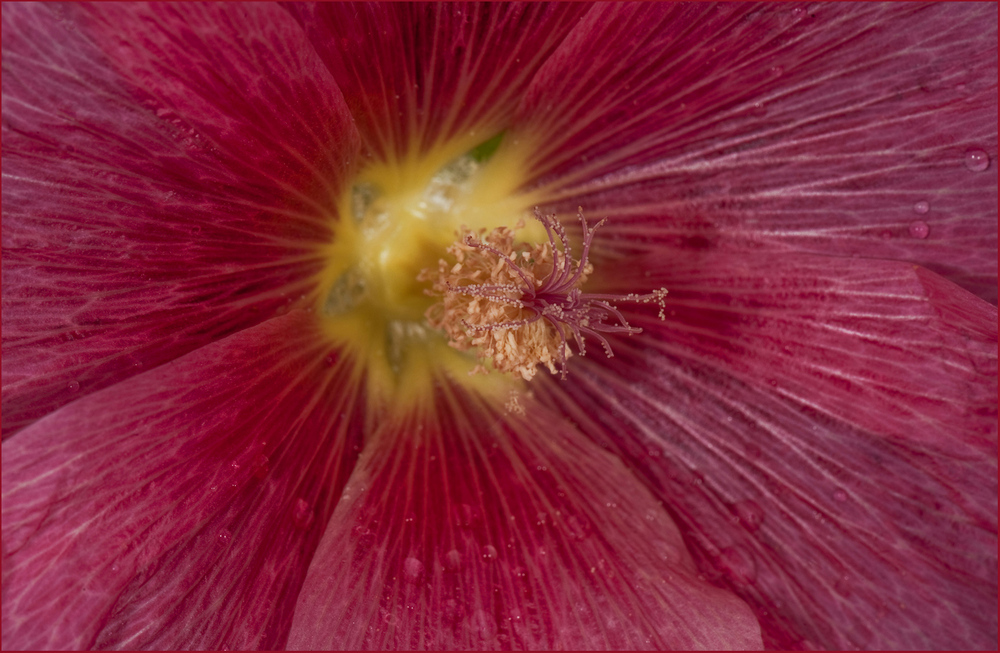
{"x": 885, "y": 235}
{"x": 921, "y": 207}
{"x": 739, "y": 566}
{"x": 261, "y": 466}
{"x": 759, "y": 109}
{"x": 483, "y": 624}
{"x": 235, "y": 466}
{"x": 578, "y": 528}
{"x": 919, "y": 229}
{"x": 413, "y": 570}
{"x": 843, "y": 585}
{"x": 303, "y": 514}
{"x": 489, "y": 552}
{"x": 451, "y": 610}
{"x": 453, "y": 560}
{"x": 330, "y": 360}
{"x": 840, "y": 496}
{"x": 73, "y": 385}
{"x": 224, "y": 536}
{"x": 466, "y": 515}
{"x": 750, "y": 514}
{"x": 977, "y": 160}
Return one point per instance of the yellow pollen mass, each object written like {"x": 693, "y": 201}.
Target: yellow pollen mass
{"x": 476, "y": 320}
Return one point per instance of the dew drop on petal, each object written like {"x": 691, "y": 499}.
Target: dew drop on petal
{"x": 578, "y": 528}
{"x": 451, "y": 611}
{"x": 977, "y": 160}
{"x": 489, "y": 552}
{"x": 921, "y": 207}
{"x": 224, "y": 536}
{"x": 465, "y": 516}
{"x": 739, "y": 566}
{"x": 919, "y": 229}
{"x": 261, "y": 466}
{"x": 303, "y": 514}
{"x": 453, "y": 560}
{"x": 483, "y": 624}
{"x": 73, "y": 385}
{"x": 749, "y": 513}
{"x": 842, "y": 586}
{"x": 413, "y": 570}
{"x": 840, "y": 496}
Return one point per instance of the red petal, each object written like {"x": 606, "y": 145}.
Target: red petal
{"x": 826, "y": 432}
{"x": 145, "y": 217}
{"x": 415, "y": 74}
{"x": 844, "y": 129}
{"x": 180, "y": 509}
{"x": 464, "y": 528}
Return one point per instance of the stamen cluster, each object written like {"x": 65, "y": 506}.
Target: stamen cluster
{"x": 518, "y": 304}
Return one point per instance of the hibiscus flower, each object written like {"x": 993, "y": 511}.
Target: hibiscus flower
{"x": 228, "y": 423}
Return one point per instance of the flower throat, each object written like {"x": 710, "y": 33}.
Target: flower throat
{"x": 434, "y": 268}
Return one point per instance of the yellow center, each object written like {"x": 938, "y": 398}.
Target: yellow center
{"x": 395, "y": 220}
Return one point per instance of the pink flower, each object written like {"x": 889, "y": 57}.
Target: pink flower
{"x": 802, "y": 453}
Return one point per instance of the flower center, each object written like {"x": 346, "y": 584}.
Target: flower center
{"x": 396, "y": 220}
{"x": 433, "y": 268}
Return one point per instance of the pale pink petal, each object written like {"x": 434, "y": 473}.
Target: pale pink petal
{"x": 467, "y": 528}
{"x": 417, "y": 74}
{"x": 147, "y": 215}
{"x": 845, "y": 129}
{"x": 824, "y": 431}
{"x": 179, "y": 509}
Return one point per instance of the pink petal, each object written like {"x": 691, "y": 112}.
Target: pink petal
{"x": 467, "y": 528}
{"x": 179, "y": 509}
{"x": 416, "y": 75}
{"x": 841, "y": 129}
{"x": 148, "y": 216}
{"x": 825, "y": 431}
